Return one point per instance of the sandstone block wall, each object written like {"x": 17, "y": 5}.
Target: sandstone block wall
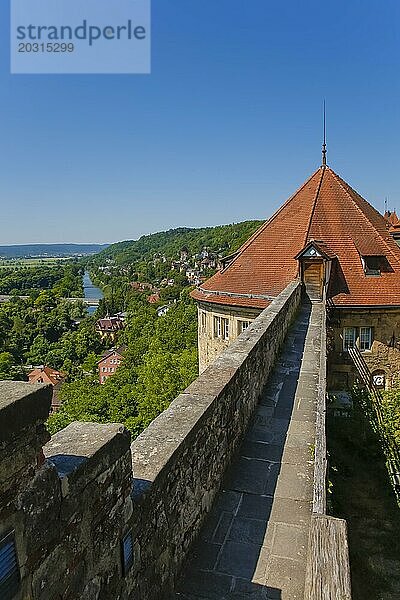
{"x": 67, "y": 513}
{"x": 211, "y": 346}
{"x": 384, "y": 354}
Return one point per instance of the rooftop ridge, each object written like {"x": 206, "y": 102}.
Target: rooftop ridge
{"x": 323, "y": 169}
{"x": 261, "y": 229}
{"x": 346, "y": 187}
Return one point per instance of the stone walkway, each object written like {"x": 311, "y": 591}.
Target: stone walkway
{"x": 254, "y": 543}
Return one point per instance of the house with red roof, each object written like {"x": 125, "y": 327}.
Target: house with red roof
{"x": 345, "y": 253}
{"x": 55, "y": 378}
{"x": 109, "y": 363}
{"x": 154, "y": 298}
{"x": 109, "y": 327}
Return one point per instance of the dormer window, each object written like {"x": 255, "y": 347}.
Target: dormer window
{"x": 372, "y": 265}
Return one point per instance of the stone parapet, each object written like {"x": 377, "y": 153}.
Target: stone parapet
{"x": 180, "y": 460}
{"x": 64, "y": 506}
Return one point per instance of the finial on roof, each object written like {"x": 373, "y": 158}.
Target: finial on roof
{"x": 324, "y": 144}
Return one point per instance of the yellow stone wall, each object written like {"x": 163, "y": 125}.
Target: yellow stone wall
{"x": 384, "y": 354}
{"x": 210, "y": 346}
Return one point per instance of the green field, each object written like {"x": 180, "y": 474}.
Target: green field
{"x": 18, "y": 263}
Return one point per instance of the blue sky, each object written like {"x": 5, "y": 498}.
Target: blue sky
{"x": 225, "y": 128}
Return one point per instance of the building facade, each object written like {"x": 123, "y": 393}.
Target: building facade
{"x": 218, "y": 326}
{"x": 345, "y": 253}
{"x": 109, "y": 363}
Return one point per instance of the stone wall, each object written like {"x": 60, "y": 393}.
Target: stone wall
{"x": 384, "y": 354}
{"x": 67, "y": 514}
{"x": 210, "y": 345}
{"x": 180, "y": 460}
{"x": 70, "y": 511}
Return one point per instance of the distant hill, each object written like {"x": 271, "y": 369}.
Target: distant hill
{"x": 50, "y": 250}
{"x": 224, "y": 239}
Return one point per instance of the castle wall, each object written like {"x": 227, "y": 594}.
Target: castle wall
{"x": 71, "y": 512}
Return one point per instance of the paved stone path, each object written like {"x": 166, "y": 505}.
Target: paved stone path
{"x": 254, "y": 543}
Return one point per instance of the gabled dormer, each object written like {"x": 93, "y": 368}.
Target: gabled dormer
{"x": 372, "y": 256}
{"x": 315, "y": 261}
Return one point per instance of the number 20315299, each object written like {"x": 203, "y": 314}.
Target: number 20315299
{"x": 49, "y": 47}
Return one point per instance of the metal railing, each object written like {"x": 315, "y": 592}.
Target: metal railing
{"x": 331, "y": 312}
{"x": 376, "y": 412}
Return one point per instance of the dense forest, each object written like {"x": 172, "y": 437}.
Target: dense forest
{"x": 65, "y": 280}
{"x": 44, "y": 330}
{"x": 224, "y": 239}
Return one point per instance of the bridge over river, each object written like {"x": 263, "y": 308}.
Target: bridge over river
{"x": 86, "y": 301}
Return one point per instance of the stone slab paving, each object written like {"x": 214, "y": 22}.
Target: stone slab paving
{"x": 254, "y": 542}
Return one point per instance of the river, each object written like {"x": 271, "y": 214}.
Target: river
{"x": 91, "y": 291}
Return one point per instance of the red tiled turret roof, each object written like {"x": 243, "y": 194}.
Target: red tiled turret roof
{"x": 392, "y": 217}
{"x": 325, "y": 209}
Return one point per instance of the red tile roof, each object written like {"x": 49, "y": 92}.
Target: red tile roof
{"x": 154, "y": 298}
{"x": 321, "y": 247}
{"x": 118, "y": 352}
{"x": 47, "y": 375}
{"x": 392, "y": 218}
{"x": 325, "y": 209}
{"x": 110, "y": 324}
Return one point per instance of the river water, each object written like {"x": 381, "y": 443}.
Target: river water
{"x": 91, "y": 291}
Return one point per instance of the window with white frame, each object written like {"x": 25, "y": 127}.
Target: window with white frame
{"x": 225, "y": 328}
{"x": 217, "y": 327}
{"x": 221, "y": 328}
{"x": 365, "y": 338}
{"x": 203, "y": 321}
{"x": 243, "y": 325}
{"x": 349, "y": 337}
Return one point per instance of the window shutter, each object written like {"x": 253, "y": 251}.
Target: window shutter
{"x": 127, "y": 552}
{"x": 9, "y": 571}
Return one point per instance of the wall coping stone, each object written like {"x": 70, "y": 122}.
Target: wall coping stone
{"x": 78, "y": 451}
{"x": 22, "y": 405}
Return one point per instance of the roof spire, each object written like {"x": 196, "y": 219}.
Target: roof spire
{"x": 324, "y": 143}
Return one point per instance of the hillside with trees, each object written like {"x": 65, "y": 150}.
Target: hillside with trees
{"x": 224, "y": 239}
{"x": 64, "y": 280}
{"x": 45, "y": 330}
{"x": 160, "y": 357}
{"x": 160, "y": 361}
